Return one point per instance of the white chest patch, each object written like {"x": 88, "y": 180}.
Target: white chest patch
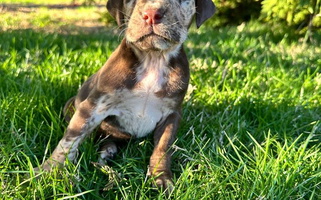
{"x": 139, "y": 110}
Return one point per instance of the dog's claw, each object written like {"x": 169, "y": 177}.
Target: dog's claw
{"x": 36, "y": 170}
{"x": 47, "y": 166}
{"x": 165, "y": 184}
{"x": 162, "y": 180}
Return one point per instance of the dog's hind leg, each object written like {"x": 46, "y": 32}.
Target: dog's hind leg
{"x": 86, "y": 118}
{"x": 110, "y": 137}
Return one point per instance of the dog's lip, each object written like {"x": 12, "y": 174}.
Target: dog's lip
{"x": 152, "y": 34}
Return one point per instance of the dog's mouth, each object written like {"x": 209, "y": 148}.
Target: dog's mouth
{"x": 153, "y": 35}
{"x": 153, "y": 41}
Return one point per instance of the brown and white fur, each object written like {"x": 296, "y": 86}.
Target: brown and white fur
{"x": 141, "y": 87}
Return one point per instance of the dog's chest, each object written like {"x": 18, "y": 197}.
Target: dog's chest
{"x": 139, "y": 110}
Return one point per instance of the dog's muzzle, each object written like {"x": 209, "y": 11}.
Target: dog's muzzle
{"x": 156, "y": 28}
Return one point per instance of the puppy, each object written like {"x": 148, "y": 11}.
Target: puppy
{"x": 141, "y": 87}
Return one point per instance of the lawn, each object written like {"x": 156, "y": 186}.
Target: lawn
{"x": 251, "y": 125}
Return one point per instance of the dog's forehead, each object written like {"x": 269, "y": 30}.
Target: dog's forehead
{"x": 186, "y": 8}
{"x": 183, "y": 3}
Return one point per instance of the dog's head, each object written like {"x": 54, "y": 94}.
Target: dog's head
{"x": 159, "y": 25}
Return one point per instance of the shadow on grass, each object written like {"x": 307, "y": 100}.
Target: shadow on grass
{"x": 254, "y": 116}
{"x": 258, "y": 45}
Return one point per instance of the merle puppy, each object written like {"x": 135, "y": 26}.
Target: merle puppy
{"x": 141, "y": 87}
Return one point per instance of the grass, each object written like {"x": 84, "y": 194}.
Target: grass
{"x": 251, "y": 121}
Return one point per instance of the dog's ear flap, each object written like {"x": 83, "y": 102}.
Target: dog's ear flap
{"x": 204, "y": 10}
{"x": 115, "y": 8}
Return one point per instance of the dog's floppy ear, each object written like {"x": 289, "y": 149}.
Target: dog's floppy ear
{"x": 204, "y": 10}
{"x": 115, "y": 8}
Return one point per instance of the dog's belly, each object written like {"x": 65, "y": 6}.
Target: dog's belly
{"x": 138, "y": 114}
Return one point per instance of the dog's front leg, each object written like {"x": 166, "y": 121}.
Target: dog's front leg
{"x": 160, "y": 161}
{"x": 85, "y": 119}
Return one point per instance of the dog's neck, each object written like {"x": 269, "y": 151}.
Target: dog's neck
{"x": 154, "y": 55}
{"x": 152, "y": 69}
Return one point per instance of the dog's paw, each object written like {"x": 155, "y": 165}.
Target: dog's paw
{"x": 164, "y": 183}
{"x": 47, "y": 166}
{"x": 37, "y": 171}
{"x": 162, "y": 180}
{"x": 107, "y": 152}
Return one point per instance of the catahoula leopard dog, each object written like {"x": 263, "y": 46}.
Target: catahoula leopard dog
{"x": 141, "y": 87}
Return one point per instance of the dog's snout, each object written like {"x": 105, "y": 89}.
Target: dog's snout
{"x": 159, "y": 25}
{"x": 153, "y": 16}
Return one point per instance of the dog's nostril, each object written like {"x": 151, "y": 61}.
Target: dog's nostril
{"x": 152, "y": 16}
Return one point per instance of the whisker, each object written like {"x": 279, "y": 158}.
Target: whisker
{"x": 122, "y": 32}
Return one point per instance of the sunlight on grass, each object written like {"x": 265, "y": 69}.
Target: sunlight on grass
{"x": 57, "y": 20}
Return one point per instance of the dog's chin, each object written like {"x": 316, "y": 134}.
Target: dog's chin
{"x": 153, "y": 42}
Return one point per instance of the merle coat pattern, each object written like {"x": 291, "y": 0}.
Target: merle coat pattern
{"x": 141, "y": 87}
